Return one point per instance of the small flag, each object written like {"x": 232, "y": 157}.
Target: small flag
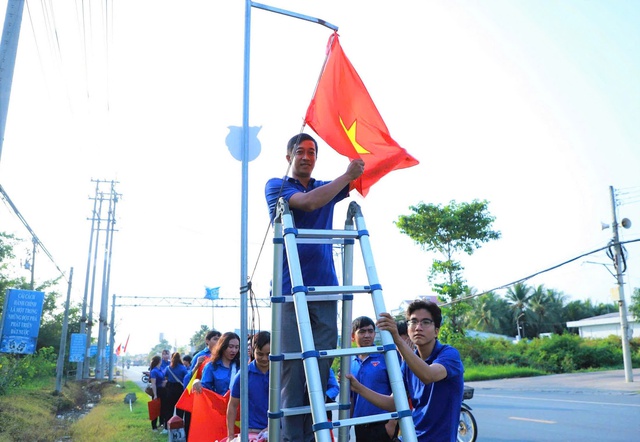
{"x": 124, "y": 350}
{"x": 118, "y": 350}
{"x": 343, "y": 114}
{"x": 211, "y": 293}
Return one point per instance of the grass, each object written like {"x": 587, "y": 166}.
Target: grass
{"x": 488, "y": 372}
{"x": 29, "y": 414}
{"x": 114, "y": 421}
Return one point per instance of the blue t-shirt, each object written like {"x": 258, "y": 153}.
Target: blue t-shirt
{"x": 436, "y": 406}
{"x": 372, "y": 373}
{"x": 158, "y": 374}
{"x": 217, "y": 377}
{"x": 258, "y": 386}
{"x": 333, "y": 388}
{"x": 316, "y": 260}
{"x": 180, "y": 371}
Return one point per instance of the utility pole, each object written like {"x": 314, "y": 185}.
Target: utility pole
{"x": 63, "y": 337}
{"x": 626, "y": 351}
{"x": 83, "y": 318}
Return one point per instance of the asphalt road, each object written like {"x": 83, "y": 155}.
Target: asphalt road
{"x": 583, "y": 407}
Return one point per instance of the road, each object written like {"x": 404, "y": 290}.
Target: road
{"x": 578, "y": 407}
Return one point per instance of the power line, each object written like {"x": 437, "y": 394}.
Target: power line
{"x": 33, "y": 234}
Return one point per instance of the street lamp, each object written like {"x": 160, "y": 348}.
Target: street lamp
{"x": 520, "y": 328}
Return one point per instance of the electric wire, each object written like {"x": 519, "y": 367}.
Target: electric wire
{"x": 504, "y": 286}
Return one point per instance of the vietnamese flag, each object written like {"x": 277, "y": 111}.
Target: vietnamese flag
{"x": 342, "y": 113}
{"x": 185, "y": 402}
{"x": 209, "y": 416}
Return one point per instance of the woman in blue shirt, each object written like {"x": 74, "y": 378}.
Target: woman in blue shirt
{"x": 224, "y": 364}
{"x": 156, "y": 377}
{"x": 174, "y": 373}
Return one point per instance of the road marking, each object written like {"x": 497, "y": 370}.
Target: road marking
{"x": 540, "y": 421}
{"x": 558, "y": 400}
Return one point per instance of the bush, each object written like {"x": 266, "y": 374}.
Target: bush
{"x": 556, "y": 354}
{"x": 16, "y": 370}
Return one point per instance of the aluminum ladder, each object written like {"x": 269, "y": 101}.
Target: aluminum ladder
{"x": 286, "y": 236}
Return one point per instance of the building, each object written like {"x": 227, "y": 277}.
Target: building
{"x": 604, "y": 325}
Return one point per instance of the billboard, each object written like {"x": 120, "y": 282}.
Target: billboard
{"x": 21, "y": 321}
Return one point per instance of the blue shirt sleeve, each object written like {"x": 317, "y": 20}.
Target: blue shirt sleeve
{"x": 333, "y": 388}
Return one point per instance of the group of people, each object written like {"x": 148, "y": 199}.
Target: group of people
{"x": 432, "y": 372}
{"x": 166, "y": 375}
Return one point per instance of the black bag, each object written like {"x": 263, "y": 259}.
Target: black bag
{"x": 149, "y": 390}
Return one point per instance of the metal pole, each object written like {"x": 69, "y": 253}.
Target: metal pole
{"x": 244, "y": 379}
{"x": 626, "y": 350}
{"x": 104, "y": 300}
{"x": 8, "y": 51}
{"x": 83, "y": 318}
{"x": 33, "y": 261}
{"x": 112, "y": 337}
{"x": 63, "y": 337}
{"x": 93, "y": 285}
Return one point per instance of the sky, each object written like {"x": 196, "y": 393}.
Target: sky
{"x": 532, "y": 106}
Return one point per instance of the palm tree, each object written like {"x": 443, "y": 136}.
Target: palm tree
{"x": 518, "y": 297}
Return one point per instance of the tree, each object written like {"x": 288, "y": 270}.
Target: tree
{"x": 634, "y": 308}
{"x": 197, "y": 341}
{"x": 449, "y": 230}
{"x": 518, "y": 296}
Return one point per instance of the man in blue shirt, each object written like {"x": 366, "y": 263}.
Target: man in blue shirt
{"x": 371, "y": 371}
{"x": 311, "y": 202}
{"x": 258, "y": 387}
{"x": 433, "y": 374}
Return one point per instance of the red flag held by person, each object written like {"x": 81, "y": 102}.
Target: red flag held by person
{"x": 209, "y": 416}
{"x": 344, "y": 116}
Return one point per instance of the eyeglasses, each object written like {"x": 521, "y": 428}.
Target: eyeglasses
{"x": 413, "y": 323}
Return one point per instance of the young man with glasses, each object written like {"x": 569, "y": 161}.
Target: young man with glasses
{"x": 433, "y": 374}
{"x": 371, "y": 371}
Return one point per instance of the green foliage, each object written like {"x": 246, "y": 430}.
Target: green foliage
{"x": 557, "y": 354}
{"x": 197, "y": 341}
{"x": 448, "y": 230}
{"x": 17, "y": 370}
{"x": 634, "y": 307}
{"x": 488, "y": 372}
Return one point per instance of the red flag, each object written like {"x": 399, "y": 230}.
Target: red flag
{"x": 209, "y": 416}
{"x": 126, "y": 343}
{"x": 185, "y": 402}
{"x": 118, "y": 350}
{"x": 344, "y": 116}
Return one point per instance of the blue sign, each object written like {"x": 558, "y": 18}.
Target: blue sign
{"x": 21, "y": 321}
{"x": 77, "y": 347}
{"x": 93, "y": 350}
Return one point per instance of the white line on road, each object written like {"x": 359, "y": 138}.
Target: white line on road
{"x": 540, "y": 421}
{"x": 557, "y": 400}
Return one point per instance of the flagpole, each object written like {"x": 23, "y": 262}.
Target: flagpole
{"x": 244, "y": 282}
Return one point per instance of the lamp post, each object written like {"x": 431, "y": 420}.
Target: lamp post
{"x": 520, "y": 331}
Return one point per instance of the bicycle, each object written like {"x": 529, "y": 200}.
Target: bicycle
{"x": 468, "y": 427}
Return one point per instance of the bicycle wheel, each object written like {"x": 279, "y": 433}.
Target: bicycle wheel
{"x": 467, "y": 429}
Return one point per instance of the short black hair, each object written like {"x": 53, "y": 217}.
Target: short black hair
{"x": 212, "y": 333}
{"x": 261, "y": 339}
{"x": 362, "y": 321}
{"x": 297, "y": 139}
{"x": 402, "y": 327}
{"x": 429, "y": 306}
{"x": 187, "y": 358}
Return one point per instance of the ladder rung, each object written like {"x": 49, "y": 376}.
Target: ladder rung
{"x": 328, "y": 234}
{"x": 365, "y": 419}
{"x": 338, "y": 352}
